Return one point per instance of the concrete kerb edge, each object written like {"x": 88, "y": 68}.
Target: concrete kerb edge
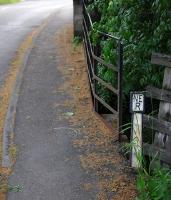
{"x": 10, "y": 117}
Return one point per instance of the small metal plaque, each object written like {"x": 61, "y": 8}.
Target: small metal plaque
{"x": 137, "y": 102}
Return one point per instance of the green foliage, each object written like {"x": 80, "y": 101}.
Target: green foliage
{"x": 155, "y": 185}
{"x": 144, "y": 26}
{"x": 153, "y": 181}
{"x": 16, "y": 188}
{"x": 76, "y": 42}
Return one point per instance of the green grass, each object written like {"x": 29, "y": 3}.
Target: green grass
{"x": 8, "y": 1}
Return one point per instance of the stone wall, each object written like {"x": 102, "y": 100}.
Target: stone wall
{"x": 77, "y": 18}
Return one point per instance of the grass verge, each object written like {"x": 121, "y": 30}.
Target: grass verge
{"x": 8, "y": 1}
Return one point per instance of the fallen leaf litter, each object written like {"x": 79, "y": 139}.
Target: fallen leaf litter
{"x": 99, "y": 153}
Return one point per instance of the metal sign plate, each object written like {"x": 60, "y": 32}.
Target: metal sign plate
{"x": 137, "y": 102}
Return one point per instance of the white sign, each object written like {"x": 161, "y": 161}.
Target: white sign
{"x": 137, "y": 102}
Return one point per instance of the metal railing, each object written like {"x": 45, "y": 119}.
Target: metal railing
{"x": 93, "y": 59}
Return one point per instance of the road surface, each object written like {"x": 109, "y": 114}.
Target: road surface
{"x": 47, "y": 164}
{"x": 17, "y": 21}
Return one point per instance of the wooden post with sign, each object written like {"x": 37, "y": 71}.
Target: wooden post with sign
{"x": 137, "y": 110}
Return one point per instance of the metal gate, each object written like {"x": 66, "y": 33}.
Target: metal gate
{"x": 94, "y": 59}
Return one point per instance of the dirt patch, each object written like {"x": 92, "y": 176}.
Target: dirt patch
{"x": 98, "y": 160}
{"x": 99, "y": 149}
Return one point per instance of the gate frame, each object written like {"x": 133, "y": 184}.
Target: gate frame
{"x": 92, "y": 61}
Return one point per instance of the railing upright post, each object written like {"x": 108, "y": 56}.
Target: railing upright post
{"x": 96, "y": 104}
{"x": 120, "y": 92}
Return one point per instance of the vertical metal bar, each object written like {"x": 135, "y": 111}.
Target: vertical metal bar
{"x": 120, "y": 82}
{"x": 87, "y": 24}
{"x": 96, "y": 103}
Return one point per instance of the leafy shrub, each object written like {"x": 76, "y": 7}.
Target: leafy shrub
{"x": 144, "y": 26}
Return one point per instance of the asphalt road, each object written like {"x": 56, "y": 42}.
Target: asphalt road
{"x": 17, "y": 21}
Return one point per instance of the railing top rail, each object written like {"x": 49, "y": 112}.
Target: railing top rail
{"x": 100, "y": 32}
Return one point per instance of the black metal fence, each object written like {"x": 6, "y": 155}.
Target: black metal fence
{"x": 94, "y": 59}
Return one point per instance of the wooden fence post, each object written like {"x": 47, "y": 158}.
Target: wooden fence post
{"x": 161, "y": 125}
{"x": 162, "y": 140}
